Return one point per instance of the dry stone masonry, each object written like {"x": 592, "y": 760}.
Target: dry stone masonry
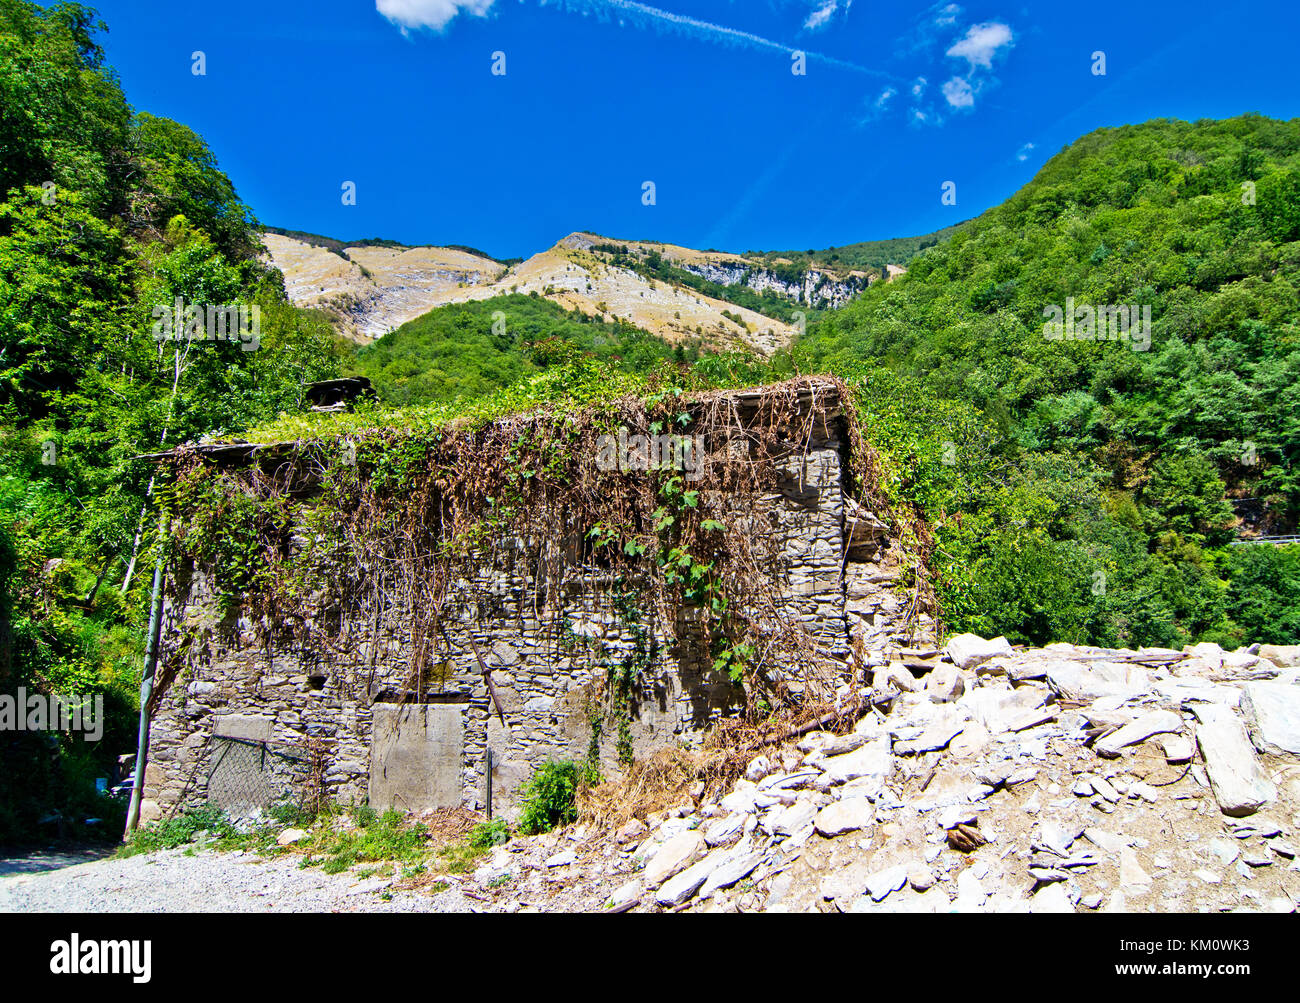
{"x": 246, "y": 723}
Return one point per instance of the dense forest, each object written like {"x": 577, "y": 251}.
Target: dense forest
{"x": 1076, "y": 489}
{"x": 867, "y": 255}
{"x": 467, "y": 350}
{"x": 1088, "y": 490}
{"x": 108, "y": 216}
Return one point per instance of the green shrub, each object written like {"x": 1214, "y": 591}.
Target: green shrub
{"x": 549, "y": 795}
{"x": 338, "y": 863}
{"x": 1264, "y": 597}
{"x": 486, "y": 835}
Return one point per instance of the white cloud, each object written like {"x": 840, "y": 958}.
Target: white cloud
{"x": 918, "y": 86}
{"x": 435, "y": 14}
{"x": 926, "y": 29}
{"x": 1024, "y": 152}
{"x": 959, "y": 93}
{"x": 878, "y": 107}
{"x": 981, "y": 44}
{"x": 920, "y": 117}
{"x": 822, "y": 15}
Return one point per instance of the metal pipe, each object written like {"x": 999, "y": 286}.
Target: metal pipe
{"x": 146, "y": 688}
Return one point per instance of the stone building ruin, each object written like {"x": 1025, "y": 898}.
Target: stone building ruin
{"x": 533, "y": 655}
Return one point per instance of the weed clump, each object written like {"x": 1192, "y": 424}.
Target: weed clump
{"x": 460, "y": 857}
{"x": 550, "y": 795}
{"x": 175, "y": 832}
{"x": 377, "y": 837}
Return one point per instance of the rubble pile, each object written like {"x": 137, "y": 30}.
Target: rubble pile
{"x": 980, "y": 778}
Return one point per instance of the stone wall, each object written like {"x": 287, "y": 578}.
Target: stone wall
{"x": 832, "y": 566}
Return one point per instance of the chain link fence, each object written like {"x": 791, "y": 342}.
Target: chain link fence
{"x": 246, "y": 777}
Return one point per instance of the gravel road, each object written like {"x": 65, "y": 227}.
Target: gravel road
{"x": 170, "y": 881}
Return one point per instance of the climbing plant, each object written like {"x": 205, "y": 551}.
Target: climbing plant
{"x": 414, "y": 529}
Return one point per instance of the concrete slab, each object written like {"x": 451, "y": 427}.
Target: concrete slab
{"x": 248, "y": 727}
{"x": 415, "y": 756}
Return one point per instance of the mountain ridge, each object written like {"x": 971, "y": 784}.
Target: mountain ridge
{"x": 722, "y": 299}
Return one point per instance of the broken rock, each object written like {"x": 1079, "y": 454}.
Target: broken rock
{"x": 920, "y": 877}
{"x": 1102, "y": 786}
{"x": 1236, "y": 778}
{"x": 969, "y": 650}
{"x": 1058, "y": 837}
{"x": 1031, "y": 719}
{"x": 841, "y": 745}
{"x": 881, "y": 883}
{"x": 1284, "y": 656}
{"x": 731, "y": 870}
{"x": 936, "y": 736}
{"x": 742, "y": 797}
{"x": 1051, "y": 898}
{"x": 625, "y": 893}
{"x": 895, "y": 675}
{"x": 872, "y": 760}
{"x": 1272, "y": 712}
{"x": 844, "y": 816}
{"x": 680, "y": 887}
{"x": 970, "y": 893}
{"x": 1085, "y": 683}
{"x": 1207, "y": 652}
{"x": 973, "y": 740}
{"x": 955, "y": 815}
{"x": 945, "y": 684}
{"x": 671, "y": 858}
{"x": 759, "y": 767}
{"x": 845, "y": 884}
{"x": 1156, "y": 723}
{"x": 1178, "y": 748}
{"x": 720, "y": 830}
{"x": 791, "y": 820}
{"x": 1131, "y": 874}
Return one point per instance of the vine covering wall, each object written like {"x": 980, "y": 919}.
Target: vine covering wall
{"x": 570, "y": 596}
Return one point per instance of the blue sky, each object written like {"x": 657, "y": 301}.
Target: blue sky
{"x": 600, "y": 96}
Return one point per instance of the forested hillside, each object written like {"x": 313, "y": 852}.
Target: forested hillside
{"x": 468, "y": 350}
{"x": 1087, "y": 489}
{"x": 866, "y": 254}
{"x": 107, "y": 216}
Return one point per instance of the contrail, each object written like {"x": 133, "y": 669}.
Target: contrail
{"x": 642, "y": 15}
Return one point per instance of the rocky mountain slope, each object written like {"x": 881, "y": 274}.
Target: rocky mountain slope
{"x": 809, "y": 284}
{"x": 371, "y": 289}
